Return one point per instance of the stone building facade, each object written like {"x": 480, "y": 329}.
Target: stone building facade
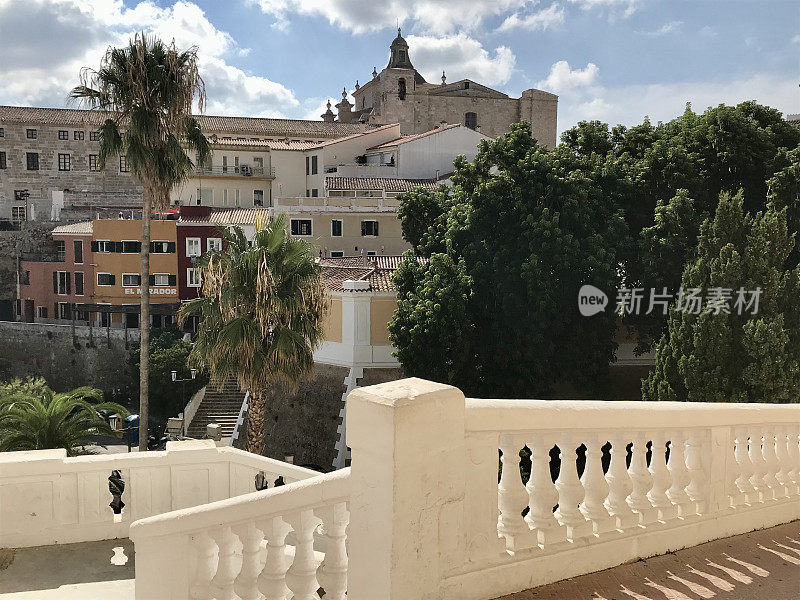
{"x": 400, "y": 94}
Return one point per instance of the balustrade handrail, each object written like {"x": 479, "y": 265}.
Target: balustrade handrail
{"x": 322, "y": 490}
{"x": 526, "y": 415}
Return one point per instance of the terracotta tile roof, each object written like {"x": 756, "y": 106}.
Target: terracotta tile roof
{"x": 83, "y": 228}
{"x": 390, "y": 184}
{"x": 410, "y": 138}
{"x": 228, "y": 216}
{"x": 209, "y": 123}
{"x": 291, "y": 145}
{"x": 377, "y": 270}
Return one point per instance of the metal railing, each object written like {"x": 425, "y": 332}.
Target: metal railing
{"x": 234, "y": 171}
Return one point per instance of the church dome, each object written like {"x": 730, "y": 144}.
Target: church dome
{"x": 399, "y": 58}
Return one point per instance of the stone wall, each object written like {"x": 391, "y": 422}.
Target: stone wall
{"x": 66, "y": 362}
{"x": 34, "y": 238}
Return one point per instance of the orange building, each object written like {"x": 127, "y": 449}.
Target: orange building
{"x": 115, "y": 248}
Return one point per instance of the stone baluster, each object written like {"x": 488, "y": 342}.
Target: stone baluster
{"x": 512, "y": 498}
{"x": 678, "y": 473}
{"x": 222, "y": 583}
{"x": 771, "y": 461}
{"x": 744, "y": 490}
{"x": 301, "y": 578}
{"x": 794, "y": 457}
{"x": 205, "y": 549}
{"x": 570, "y": 491}
{"x": 332, "y": 573}
{"x": 246, "y": 584}
{"x": 542, "y": 493}
{"x": 642, "y": 482}
{"x": 759, "y": 465}
{"x": 596, "y": 487}
{"x": 619, "y": 483}
{"x": 272, "y": 580}
{"x": 661, "y": 478}
{"x": 697, "y": 490}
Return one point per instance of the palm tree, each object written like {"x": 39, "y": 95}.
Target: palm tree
{"x": 36, "y": 418}
{"x": 146, "y": 91}
{"x": 262, "y": 310}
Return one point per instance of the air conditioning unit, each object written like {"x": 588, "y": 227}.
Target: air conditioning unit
{"x": 247, "y": 170}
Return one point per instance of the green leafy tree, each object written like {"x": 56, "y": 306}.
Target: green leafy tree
{"x": 33, "y": 417}
{"x": 722, "y": 355}
{"x": 146, "y": 91}
{"x": 492, "y": 306}
{"x": 262, "y": 316}
{"x": 169, "y": 352}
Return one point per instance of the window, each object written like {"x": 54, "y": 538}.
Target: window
{"x": 18, "y": 214}
{"x": 20, "y": 195}
{"x": 61, "y": 283}
{"x": 78, "y": 136}
{"x": 466, "y": 85}
{"x": 337, "y": 253}
{"x": 258, "y": 197}
{"x": 79, "y": 283}
{"x": 131, "y": 247}
{"x": 193, "y": 247}
{"x": 301, "y": 226}
{"x": 401, "y": 88}
{"x": 471, "y": 120}
{"x": 336, "y": 228}
{"x": 25, "y": 279}
{"x": 41, "y": 312}
{"x": 162, "y": 247}
{"x": 193, "y": 277}
{"x": 131, "y": 279}
{"x": 106, "y": 279}
{"x": 64, "y": 162}
{"x": 123, "y": 164}
{"x": 94, "y": 162}
{"x": 214, "y": 244}
{"x": 2, "y": 160}
{"x": 104, "y": 246}
{"x": 64, "y": 311}
{"x": 205, "y": 196}
{"x": 94, "y": 136}
{"x": 2, "y": 132}
{"x": 77, "y": 250}
{"x": 369, "y": 228}
{"x": 162, "y": 279}
{"x": 61, "y": 250}
{"x": 32, "y": 161}
{"x": 308, "y": 163}
{"x": 63, "y": 134}
{"x": 314, "y": 166}
{"x": 30, "y": 134}
{"x": 314, "y": 193}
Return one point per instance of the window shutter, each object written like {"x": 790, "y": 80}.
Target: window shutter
{"x": 152, "y": 247}
{"x": 376, "y": 229}
{"x": 363, "y": 228}
{"x": 68, "y": 276}
{"x": 112, "y": 280}
{"x": 138, "y": 246}
{"x": 171, "y": 247}
{"x": 152, "y": 279}
{"x": 118, "y": 246}
{"x": 173, "y": 280}
{"x": 55, "y": 310}
{"x": 55, "y": 282}
{"x": 94, "y": 246}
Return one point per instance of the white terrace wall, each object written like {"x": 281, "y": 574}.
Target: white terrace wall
{"x": 49, "y": 498}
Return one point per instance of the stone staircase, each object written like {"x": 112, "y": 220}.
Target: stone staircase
{"x": 219, "y": 405}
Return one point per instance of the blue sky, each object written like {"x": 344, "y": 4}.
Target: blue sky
{"x": 616, "y": 60}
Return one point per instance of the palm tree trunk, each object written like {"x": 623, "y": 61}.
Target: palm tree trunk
{"x": 255, "y": 421}
{"x": 144, "y": 323}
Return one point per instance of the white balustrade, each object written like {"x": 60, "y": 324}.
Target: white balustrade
{"x": 596, "y": 487}
{"x": 771, "y": 461}
{"x": 619, "y": 483}
{"x": 661, "y": 477}
{"x": 512, "y": 497}
{"x": 570, "y": 491}
{"x": 697, "y": 489}
{"x": 744, "y": 491}
{"x": 678, "y": 472}
{"x": 332, "y": 573}
{"x": 542, "y": 492}
{"x": 759, "y": 465}
{"x": 642, "y": 482}
{"x": 272, "y": 580}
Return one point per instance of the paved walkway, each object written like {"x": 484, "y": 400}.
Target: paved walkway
{"x": 762, "y": 565}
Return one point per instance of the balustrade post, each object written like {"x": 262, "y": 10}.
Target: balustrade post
{"x": 678, "y": 473}
{"x": 332, "y": 573}
{"x": 744, "y": 492}
{"x": 272, "y": 580}
{"x": 542, "y": 493}
{"x": 697, "y": 490}
{"x": 246, "y": 585}
{"x": 619, "y": 483}
{"x": 512, "y": 497}
{"x": 794, "y": 457}
{"x": 642, "y": 482}
{"x": 570, "y": 491}
{"x": 756, "y": 453}
{"x": 301, "y": 578}
{"x": 205, "y": 551}
{"x": 661, "y": 478}
{"x": 772, "y": 466}
{"x": 222, "y": 583}
{"x": 407, "y": 523}
{"x": 596, "y": 487}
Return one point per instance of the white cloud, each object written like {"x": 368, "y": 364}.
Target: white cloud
{"x": 665, "y": 29}
{"x": 430, "y": 16}
{"x": 796, "y": 39}
{"x": 563, "y": 78}
{"x": 612, "y": 8}
{"x": 547, "y": 18}
{"x": 629, "y": 104}
{"x": 47, "y": 42}
{"x": 461, "y": 56}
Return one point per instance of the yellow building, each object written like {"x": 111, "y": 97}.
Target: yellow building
{"x": 116, "y": 246}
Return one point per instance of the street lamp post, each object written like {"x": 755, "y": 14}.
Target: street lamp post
{"x": 183, "y": 394}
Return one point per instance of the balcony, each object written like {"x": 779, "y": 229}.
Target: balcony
{"x": 236, "y": 171}
{"x": 420, "y": 513}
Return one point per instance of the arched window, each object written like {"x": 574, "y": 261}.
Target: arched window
{"x": 471, "y": 120}
{"x": 401, "y": 88}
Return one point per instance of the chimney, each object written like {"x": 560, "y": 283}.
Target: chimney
{"x": 345, "y": 108}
